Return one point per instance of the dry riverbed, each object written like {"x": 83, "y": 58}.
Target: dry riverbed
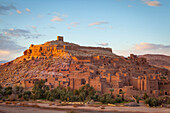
{"x": 52, "y": 108}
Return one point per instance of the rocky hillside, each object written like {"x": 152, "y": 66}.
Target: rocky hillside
{"x": 48, "y": 59}
{"x": 162, "y": 61}
{"x": 68, "y": 61}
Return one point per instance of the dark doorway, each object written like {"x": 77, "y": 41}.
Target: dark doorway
{"x": 120, "y": 91}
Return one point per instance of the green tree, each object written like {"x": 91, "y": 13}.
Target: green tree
{"x": 59, "y": 83}
{"x": 161, "y": 91}
{"x": 1, "y": 87}
{"x": 122, "y": 92}
{"x": 68, "y": 89}
{"x": 118, "y": 99}
{"x": 82, "y": 96}
{"x": 39, "y": 89}
{"x": 145, "y": 96}
{"x": 1, "y": 92}
{"x": 168, "y": 100}
{"x": 27, "y": 95}
{"x": 111, "y": 90}
{"x": 8, "y": 90}
{"x": 106, "y": 98}
{"x": 75, "y": 92}
{"x": 152, "y": 102}
{"x": 137, "y": 98}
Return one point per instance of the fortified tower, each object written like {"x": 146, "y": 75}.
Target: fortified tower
{"x": 60, "y": 38}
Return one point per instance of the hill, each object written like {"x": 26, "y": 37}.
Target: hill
{"x": 158, "y": 60}
{"x": 71, "y": 65}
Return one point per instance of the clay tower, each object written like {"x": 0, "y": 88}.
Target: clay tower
{"x": 60, "y": 38}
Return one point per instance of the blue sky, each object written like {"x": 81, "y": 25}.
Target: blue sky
{"x": 126, "y": 26}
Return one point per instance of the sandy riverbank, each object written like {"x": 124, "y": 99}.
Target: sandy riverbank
{"x": 45, "y": 108}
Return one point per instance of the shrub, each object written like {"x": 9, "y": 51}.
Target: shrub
{"x": 168, "y": 101}
{"x": 102, "y": 99}
{"x": 8, "y": 90}
{"x": 27, "y": 95}
{"x": 112, "y": 101}
{"x": 117, "y": 95}
{"x": 145, "y": 96}
{"x": 72, "y": 112}
{"x": 107, "y": 98}
{"x": 152, "y": 102}
{"x": 51, "y": 99}
{"x": 20, "y": 95}
{"x": 137, "y": 98}
{"x": 39, "y": 90}
{"x": 118, "y": 99}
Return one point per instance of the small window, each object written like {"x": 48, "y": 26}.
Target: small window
{"x": 151, "y": 91}
{"x": 120, "y": 91}
{"x": 83, "y": 81}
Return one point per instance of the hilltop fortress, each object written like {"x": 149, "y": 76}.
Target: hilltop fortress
{"x": 64, "y": 49}
{"x": 71, "y": 65}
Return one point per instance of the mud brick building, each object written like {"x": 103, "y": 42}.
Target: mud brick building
{"x": 71, "y": 65}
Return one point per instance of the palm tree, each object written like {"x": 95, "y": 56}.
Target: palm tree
{"x": 111, "y": 90}
{"x": 122, "y": 92}
{"x": 161, "y": 91}
{"x": 59, "y": 83}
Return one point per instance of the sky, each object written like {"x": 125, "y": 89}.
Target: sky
{"x": 127, "y": 26}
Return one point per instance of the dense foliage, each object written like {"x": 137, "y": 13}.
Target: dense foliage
{"x": 84, "y": 94}
{"x": 152, "y": 102}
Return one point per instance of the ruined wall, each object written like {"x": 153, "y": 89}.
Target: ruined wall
{"x": 96, "y": 83}
{"x": 164, "y": 86}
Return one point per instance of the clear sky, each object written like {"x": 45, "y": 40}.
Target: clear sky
{"x": 126, "y": 26}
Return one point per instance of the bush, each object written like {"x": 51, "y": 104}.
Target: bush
{"x": 145, "y": 96}
{"x": 20, "y": 95}
{"x": 137, "y": 98}
{"x": 102, "y": 99}
{"x": 39, "y": 89}
{"x": 168, "y": 101}
{"x": 112, "y": 101}
{"x": 152, "y": 102}
{"x": 118, "y": 99}
{"x": 107, "y": 98}
{"x": 27, "y": 95}
{"x": 72, "y": 112}
{"x": 8, "y": 90}
{"x": 51, "y": 99}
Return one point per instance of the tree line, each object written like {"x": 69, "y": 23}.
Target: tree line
{"x": 84, "y": 94}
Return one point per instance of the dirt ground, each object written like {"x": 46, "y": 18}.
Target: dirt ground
{"x": 45, "y": 108}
